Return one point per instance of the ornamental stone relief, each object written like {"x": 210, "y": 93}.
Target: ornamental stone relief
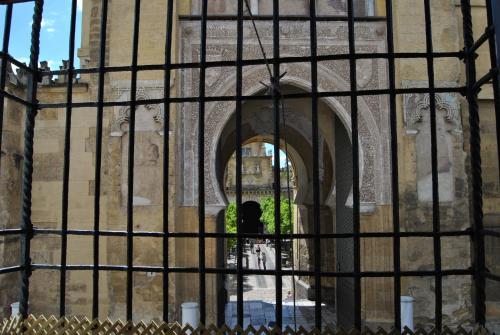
{"x": 148, "y": 145}
{"x": 333, "y": 76}
{"x": 417, "y": 113}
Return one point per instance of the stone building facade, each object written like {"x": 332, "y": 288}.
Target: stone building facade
{"x": 335, "y": 138}
{"x": 257, "y": 177}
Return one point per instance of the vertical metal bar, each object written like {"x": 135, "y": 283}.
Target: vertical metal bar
{"x": 493, "y": 17}
{"x": 3, "y": 69}
{"x": 396, "y": 242}
{"x": 166, "y": 152}
{"x": 239, "y": 93}
{"x": 315, "y": 143}
{"x": 475, "y": 157}
{"x": 67, "y": 150}
{"x": 131, "y": 155}
{"x": 98, "y": 158}
{"x": 29, "y": 130}
{"x": 434, "y": 163}
{"x": 355, "y": 164}
{"x": 277, "y": 186}
{"x": 201, "y": 161}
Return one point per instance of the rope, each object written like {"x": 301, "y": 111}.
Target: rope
{"x": 275, "y": 85}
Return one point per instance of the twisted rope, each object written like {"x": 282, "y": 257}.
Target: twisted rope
{"x": 31, "y": 111}
{"x": 476, "y": 171}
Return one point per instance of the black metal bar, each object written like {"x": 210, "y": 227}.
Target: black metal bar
{"x": 201, "y": 160}
{"x": 29, "y": 128}
{"x": 117, "y": 233}
{"x": 493, "y": 19}
{"x": 316, "y": 183}
{"x": 3, "y": 69}
{"x": 11, "y": 269}
{"x": 486, "y": 79}
{"x": 493, "y": 12}
{"x": 329, "y": 18}
{"x": 159, "y": 269}
{"x": 131, "y": 160}
{"x": 98, "y": 158}
{"x": 434, "y": 163}
{"x": 491, "y": 233}
{"x": 12, "y": 231}
{"x": 475, "y": 158}
{"x": 239, "y": 190}
{"x": 9, "y": 58}
{"x": 488, "y": 32}
{"x": 16, "y": 99}
{"x": 67, "y": 150}
{"x": 259, "y": 61}
{"x": 491, "y": 276}
{"x": 276, "y": 95}
{"x": 355, "y": 164}
{"x": 289, "y": 96}
{"x": 396, "y": 243}
{"x": 166, "y": 153}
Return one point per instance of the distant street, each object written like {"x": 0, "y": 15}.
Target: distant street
{"x": 259, "y": 293}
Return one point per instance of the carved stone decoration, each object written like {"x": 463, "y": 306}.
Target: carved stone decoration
{"x": 221, "y": 36}
{"x": 149, "y": 119}
{"x": 155, "y": 111}
{"x": 417, "y": 109}
{"x": 417, "y": 115}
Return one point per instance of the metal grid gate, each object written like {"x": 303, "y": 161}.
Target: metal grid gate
{"x": 474, "y": 82}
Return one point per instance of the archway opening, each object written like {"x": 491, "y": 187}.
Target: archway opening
{"x": 257, "y": 128}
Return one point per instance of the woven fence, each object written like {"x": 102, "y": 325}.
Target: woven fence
{"x": 72, "y": 326}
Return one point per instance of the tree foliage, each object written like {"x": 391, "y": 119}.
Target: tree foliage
{"x": 286, "y": 213}
{"x": 267, "y": 207}
{"x": 231, "y": 225}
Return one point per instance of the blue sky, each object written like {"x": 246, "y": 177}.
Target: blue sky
{"x": 54, "y": 36}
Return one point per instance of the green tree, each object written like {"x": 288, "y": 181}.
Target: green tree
{"x": 231, "y": 225}
{"x": 267, "y": 206}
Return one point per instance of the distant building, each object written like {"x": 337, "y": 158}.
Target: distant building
{"x": 257, "y": 174}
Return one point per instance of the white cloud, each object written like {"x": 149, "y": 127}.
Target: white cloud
{"x": 79, "y": 5}
{"x": 48, "y": 23}
{"x": 51, "y": 30}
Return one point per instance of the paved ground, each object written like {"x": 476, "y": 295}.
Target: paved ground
{"x": 259, "y": 298}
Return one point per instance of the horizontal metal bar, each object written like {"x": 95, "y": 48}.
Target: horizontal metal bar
{"x": 289, "y": 96}
{"x": 11, "y": 269}
{"x": 492, "y": 276}
{"x": 328, "y": 18}
{"x": 6, "y": 2}
{"x": 493, "y": 233}
{"x": 14, "y": 61}
{"x": 285, "y": 272}
{"x": 13, "y": 231}
{"x": 117, "y": 233}
{"x": 251, "y": 62}
{"x": 16, "y": 99}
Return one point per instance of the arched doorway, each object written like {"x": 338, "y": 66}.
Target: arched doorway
{"x": 257, "y": 126}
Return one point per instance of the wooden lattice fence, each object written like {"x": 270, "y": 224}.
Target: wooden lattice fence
{"x": 73, "y": 326}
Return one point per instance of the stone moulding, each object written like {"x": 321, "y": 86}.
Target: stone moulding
{"x": 82, "y": 325}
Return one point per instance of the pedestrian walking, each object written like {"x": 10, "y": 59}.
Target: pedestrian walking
{"x": 263, "y": 260}
{"x": 251, "y": 246}
{"x": 258, "y": 261}
{"x": 258, "y": 250}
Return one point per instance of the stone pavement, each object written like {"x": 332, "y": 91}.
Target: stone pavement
{"x": 259, "y": 299}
